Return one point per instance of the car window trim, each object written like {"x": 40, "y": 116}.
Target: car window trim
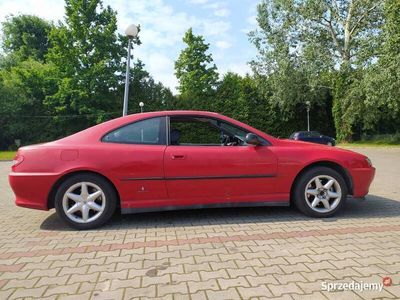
{"x": 268, "y": 143}
{"x": 161, "y": 132}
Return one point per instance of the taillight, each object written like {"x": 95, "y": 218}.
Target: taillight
{"x": 18, "y": 159}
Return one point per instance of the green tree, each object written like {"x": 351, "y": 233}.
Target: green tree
{"x": 25, "y": 80}
{"x": 231, "y": 97}
{"x": 381, "y": 83}
{"x": 144, "y": 89}
{"x": 317, "y": 39}
{"x": 22, "y": 113}
{"x": 89, "y": 58}
{"x": 26, "y": 36}
{"x": 327, "y": 33}
{"x": 194, "y": 68}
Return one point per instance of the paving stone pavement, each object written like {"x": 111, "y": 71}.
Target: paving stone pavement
{"x": 235, "y": 253}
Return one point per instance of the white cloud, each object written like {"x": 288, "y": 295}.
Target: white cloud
{"x": 251, "y": 24}
{"x": 217, "y": 28}
{"x": 223, "y": 12}
{"x": 162, "y": 69}
{"x": 219, "y": 8}
{"x": 252, "y": 20}
{"x": 223, "y": 44}
{"x": 239, "y": 68}
{"x": 198, "y": 1}
{"x": 48, "y": 9}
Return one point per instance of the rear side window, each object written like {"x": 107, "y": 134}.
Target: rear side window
{"x": 305, "y": 134}
{"x": 147, "y": 132}
{"x": 315, "y": 134}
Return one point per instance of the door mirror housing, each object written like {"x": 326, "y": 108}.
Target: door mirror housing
{"x": 252, "y": 139}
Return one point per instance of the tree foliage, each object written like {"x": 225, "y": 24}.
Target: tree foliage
{"x": 381, "y": 83}
{"x": 194, "y": 67}
{"x": 26, "y": 36}
{"x": 316, "y": 51}
{"x": 88, "y": 54}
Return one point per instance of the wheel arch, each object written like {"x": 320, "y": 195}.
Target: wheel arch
{"x": 329, "y": 164}
{"x": 53, "y": 191}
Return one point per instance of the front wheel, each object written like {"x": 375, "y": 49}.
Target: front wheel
{"x": 320, "y": 192}
{"x": 85, "y": 201}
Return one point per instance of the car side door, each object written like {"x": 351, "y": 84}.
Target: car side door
{"x": 304, "y": 136}
{"x": 135, "y": 157}
{"x": 317, "y": 137}
{"x": 201, "y": 169}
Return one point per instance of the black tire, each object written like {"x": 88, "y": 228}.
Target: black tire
{"x": 110, "y": 203}
{"x": 299, "y": 198}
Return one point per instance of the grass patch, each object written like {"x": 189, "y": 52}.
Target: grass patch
{"x": 365, "y": 144}
{"x": 7, "y": 155}
{"x": 378, "y": 140}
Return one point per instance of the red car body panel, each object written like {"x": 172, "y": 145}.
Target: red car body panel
{"x": 156, "y": 176}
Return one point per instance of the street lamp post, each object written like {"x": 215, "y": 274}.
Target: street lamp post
{"x": 131, "y": 32}
{"x": 141, "y": 104}
{"x": 308, "y": 115}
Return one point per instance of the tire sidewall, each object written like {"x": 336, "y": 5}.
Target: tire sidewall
{"x": 299, "y": 198}
{"x": 103, "y": 184}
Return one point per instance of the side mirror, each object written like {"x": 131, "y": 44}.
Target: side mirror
{"x": 252, "y": 139}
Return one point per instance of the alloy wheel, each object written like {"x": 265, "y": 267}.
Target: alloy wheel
{"x": 84, "y": 202}
{"x": 323, "y": 193}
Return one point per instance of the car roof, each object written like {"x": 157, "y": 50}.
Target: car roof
{"x": 305, "y": 131}
{"x": 95, "y": 132}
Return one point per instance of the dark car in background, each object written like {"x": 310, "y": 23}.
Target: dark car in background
{"x": 312, "y": 137}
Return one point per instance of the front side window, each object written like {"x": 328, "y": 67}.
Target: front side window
{"x": 148, "y": 132}
{"x": 194, "y": 131}
{"x": 201, "y": 131}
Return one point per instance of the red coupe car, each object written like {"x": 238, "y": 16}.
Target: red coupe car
{"x": 178, "y": 160}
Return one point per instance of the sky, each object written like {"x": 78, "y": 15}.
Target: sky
{"x": 223, "y": 23}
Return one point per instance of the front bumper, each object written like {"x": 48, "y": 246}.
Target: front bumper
{"x": 362, "y": 179}
{"x": 32, "y": 189}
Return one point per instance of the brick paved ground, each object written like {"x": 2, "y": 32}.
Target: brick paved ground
{"x": 240, "y": 253}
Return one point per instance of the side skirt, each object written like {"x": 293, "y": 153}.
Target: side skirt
{"x": 133, "y": 210}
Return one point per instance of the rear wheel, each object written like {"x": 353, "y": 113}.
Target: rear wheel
{"x": 320, "y": 192}
{"x": 85, "y": 201}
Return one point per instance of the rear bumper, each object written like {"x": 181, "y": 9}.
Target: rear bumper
{"x": 362, "y": 178}
{"x": 32, "y": 189}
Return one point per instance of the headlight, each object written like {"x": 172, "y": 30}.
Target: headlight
{"x": 369, "y": 162}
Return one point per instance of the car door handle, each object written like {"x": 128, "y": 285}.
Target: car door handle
{"x": 178, "y": 156}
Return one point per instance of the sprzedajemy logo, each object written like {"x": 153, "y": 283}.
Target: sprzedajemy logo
{"x": 351, "y": 286}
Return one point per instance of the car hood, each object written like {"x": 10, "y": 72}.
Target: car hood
{"x": 297, "y": 143}
{"x": 313, "y": 146}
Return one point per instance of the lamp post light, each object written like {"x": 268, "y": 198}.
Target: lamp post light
{"x": 141, "y": 104}
{"x": 131, "y": 32}
{"x": 308, "y": 103}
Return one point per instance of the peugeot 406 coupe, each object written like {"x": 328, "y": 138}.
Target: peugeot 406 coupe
{"x": 179, "y": 160}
